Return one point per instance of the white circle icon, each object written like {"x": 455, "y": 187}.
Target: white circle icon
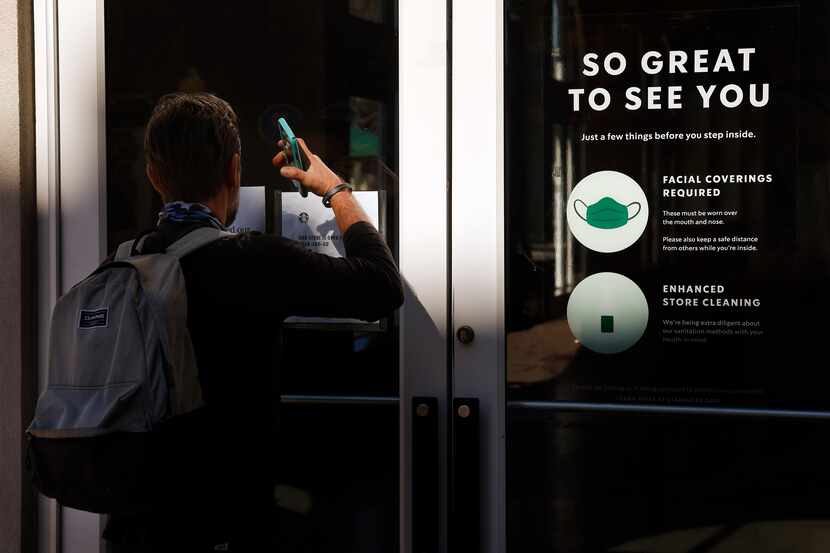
{"x": 607, "y": 312}
{"x": 607, "y": 211}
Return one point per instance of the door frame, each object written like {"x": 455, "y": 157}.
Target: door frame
{"x": 423, "y": 248}
{"x": 69, "y": 137}
{"x": 477, "y": 243}
{"x": 71, "y": 201}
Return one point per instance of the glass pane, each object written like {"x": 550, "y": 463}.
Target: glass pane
{"x": 330, "y": 68}
{"x": 339, "y": 485}
{"x": 629, "y": 484}
{"x": 291, "y": 59}
{"x": 667, "y": 179}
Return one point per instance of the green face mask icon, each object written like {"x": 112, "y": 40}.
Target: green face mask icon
{"x": 607, "y": 213}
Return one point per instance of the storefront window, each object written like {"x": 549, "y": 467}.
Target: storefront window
{"x": 666, "y": 178}
{"x": 666, "y": 175}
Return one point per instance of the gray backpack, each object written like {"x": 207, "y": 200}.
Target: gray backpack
{"x": 121, "y": 364}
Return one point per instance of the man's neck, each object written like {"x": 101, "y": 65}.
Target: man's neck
{"x": 218, "y": 205}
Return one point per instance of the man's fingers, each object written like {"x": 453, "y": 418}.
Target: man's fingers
{"x": 291, "y": 172}
{"x": 279, "y": 159}
{"x": 305, "y": 149}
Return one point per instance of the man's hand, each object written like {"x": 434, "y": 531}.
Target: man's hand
{"x": 318, "y": 179}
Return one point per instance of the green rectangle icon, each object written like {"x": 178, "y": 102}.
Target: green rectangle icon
{"x": 606, "y": 324}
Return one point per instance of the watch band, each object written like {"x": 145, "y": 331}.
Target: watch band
{"x": 334, "y": 190}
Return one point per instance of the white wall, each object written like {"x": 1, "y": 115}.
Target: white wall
{"x": 9, "y": 97}
{"x": 17, "y": 374}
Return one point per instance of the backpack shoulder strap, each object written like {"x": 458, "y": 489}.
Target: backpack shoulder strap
{"x": 194, "y": 240}
{"x": 165, "y": 293}
{"x": 188, "y": 243}
{"x": 131, "y": 247}
{"x": 123, "y": 251}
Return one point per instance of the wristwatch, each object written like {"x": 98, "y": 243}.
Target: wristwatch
{"x": 334, "y": 190}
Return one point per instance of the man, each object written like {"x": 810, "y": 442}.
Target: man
{"x": 223, "y": 457}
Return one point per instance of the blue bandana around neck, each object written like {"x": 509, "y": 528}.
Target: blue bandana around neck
{"x": 184, "y": 212}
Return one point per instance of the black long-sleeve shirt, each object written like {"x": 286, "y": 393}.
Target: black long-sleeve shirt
{"x": 239, "y": 290}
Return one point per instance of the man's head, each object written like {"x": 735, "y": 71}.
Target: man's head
{"x": 192, "y": 149}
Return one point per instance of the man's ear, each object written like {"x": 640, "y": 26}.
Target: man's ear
{"x": 233, "y": 173}
{"x": 155, "y": 181}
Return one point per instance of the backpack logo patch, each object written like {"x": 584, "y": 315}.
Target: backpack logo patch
{"x": 92, "y": 318}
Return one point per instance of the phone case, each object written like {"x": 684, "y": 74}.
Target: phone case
{"x": 293, "y": 152}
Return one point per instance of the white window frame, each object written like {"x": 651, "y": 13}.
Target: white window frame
{"x": 478, "y": 240}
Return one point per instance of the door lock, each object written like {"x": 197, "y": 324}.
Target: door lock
{"x": 465, "y": 334}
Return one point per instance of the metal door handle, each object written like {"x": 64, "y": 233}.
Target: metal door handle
{"x": 426, "y": 492}
{"x": 465, "y": 497}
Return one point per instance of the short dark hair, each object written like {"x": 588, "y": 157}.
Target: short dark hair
{"x": 189, "y": 141}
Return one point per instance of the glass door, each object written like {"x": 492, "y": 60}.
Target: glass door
{"x": 365, "y": 83}
{"x": 652, "y": 303}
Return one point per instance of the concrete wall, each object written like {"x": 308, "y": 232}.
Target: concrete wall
{"x": 17, "y": 224}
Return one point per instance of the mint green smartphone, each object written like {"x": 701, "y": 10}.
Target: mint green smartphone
{"x": 293, "y": 153}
